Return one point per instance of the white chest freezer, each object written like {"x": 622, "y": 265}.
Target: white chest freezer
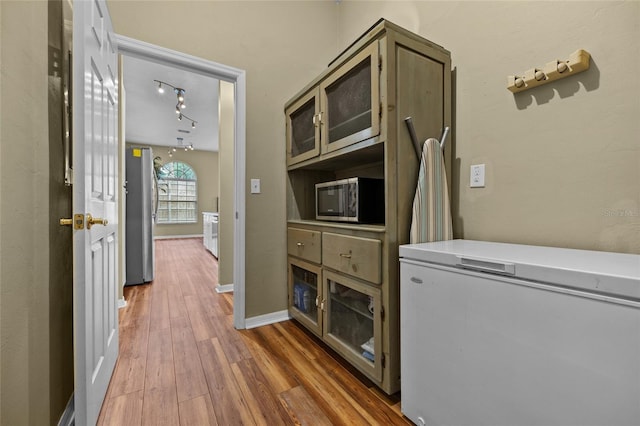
{"x": 505, "y": 334}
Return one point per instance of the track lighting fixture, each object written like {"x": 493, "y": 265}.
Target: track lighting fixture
{"x": 180, "y": 145}
{"x": 180, "y": 96}
{"x": 179, "y": 91}
{"x": 181, "y": 116}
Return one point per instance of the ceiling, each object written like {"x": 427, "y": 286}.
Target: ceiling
{"x": 150, "y": 117}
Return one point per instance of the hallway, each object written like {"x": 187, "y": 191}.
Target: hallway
{"x": 181, "y": 361}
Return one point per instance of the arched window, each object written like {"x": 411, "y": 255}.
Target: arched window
{"x": 177, "y": 193}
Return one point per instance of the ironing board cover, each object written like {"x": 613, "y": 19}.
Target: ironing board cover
{"x": 431, "y": 219}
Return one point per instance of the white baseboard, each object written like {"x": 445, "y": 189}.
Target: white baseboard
{"x": 176, "y": 237}
{"x": 122, "y": 303}
{"x": 69, "y": 414}
{"x": 224, "y": 288}
{"x": 267, "y": 319}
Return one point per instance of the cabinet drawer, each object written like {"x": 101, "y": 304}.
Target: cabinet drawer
{"x": 355, "y": 256}
{"x": 305, "y": 244}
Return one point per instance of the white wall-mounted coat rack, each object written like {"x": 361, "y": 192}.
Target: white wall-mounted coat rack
{"x": 555, "y": 70}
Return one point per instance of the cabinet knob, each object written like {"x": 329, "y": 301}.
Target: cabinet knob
{"x": 346, "y": 255}
{"x": 300, "y": 244}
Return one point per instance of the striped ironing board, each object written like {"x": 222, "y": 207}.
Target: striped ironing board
{"x": 431, "y": 220}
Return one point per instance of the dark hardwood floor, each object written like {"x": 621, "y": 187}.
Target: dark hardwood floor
{"x": 181, "y": 361}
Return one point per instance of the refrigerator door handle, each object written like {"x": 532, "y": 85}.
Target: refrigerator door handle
{"x": 484, "y": 265}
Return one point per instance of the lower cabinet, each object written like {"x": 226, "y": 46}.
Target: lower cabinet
{"x": 353, "y": 322}
{"x": 305, "y": 294}
{"x": 333, "y": 300}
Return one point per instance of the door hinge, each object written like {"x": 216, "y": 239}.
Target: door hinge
{"x": 380, "y": 63}
{"x": 383, "y": 361}
{"x": 382, "y": 312}
{"x": 381, "y": 106}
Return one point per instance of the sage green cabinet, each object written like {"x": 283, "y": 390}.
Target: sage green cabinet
{"x": 349, "y": 122}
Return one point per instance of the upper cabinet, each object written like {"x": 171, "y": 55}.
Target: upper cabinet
{"x": 342, "y": 110}
{"x": 350, "y": 102}
{"x": 303, "y": 128}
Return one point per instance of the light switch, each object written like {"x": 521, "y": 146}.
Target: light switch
{"x": 255, "y": 186}
{"x": 477, "y": 176}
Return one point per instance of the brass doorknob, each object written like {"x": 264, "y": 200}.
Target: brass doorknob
{"x": 95, "y": 221}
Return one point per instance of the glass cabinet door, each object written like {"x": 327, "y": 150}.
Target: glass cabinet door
{"x": 303, "y": 128}
{"x": 305, "y": 286}
{"x": 351, "y": 101}
{"x": 353, "y": 321}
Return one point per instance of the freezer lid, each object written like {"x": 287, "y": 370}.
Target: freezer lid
{"x": 616, "y": 274}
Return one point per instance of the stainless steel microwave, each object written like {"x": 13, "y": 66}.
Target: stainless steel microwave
{"x": 355, "y": 199}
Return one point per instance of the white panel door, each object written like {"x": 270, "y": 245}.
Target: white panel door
{"x": 95, "y": 129}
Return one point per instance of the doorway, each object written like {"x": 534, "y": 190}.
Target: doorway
{"x": 160, "y": 55}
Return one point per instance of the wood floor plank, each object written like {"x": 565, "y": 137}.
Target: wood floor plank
{"x": 122, "y": 410}
{"x": 160, "y": 407}
{"x": 232, "y": 344}
{"x": 302, "y": 408}
{"x": 197, "y": 412}
{"x": 160, "y": 370}
{"x": 337, "y": 405}
{"x": 201, "y": 322}
{"x": 281, "y": 379}
{"x": 137, "y": 305}
{"x": 128, "y": 376}
{"x": 159, "y": 311}
{"x": 229, "y": 402}
{"x": 177, "y": 308}
{"x": 261, "y": 399}
{"x": 190, "y": 381}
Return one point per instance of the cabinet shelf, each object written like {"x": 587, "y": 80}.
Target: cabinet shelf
{"x": 350, "y": 126}
{"x": 355, "y": 305}
{"x": 339, "y": 225}
{"x": 359, "y": 154}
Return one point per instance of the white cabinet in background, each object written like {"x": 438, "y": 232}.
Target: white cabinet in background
{"x": 210, "y": 232}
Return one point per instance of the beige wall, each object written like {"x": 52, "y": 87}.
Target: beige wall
{"x": 563, "y": 160}
{"x": 24, "y": 215}
{"x": 225, "y": 229}
{"x": 205, "y": 164}
{"x": 281, "y": 45}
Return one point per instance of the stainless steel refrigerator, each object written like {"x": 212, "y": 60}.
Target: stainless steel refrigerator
{"x": 140, "y": 215}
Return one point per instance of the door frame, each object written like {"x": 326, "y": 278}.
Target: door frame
{"x": 139, "y": 49}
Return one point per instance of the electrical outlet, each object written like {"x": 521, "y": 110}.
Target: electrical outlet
{"x": 477, "y": 176}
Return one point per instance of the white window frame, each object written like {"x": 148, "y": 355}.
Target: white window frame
{"x": 164, "y": 192}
